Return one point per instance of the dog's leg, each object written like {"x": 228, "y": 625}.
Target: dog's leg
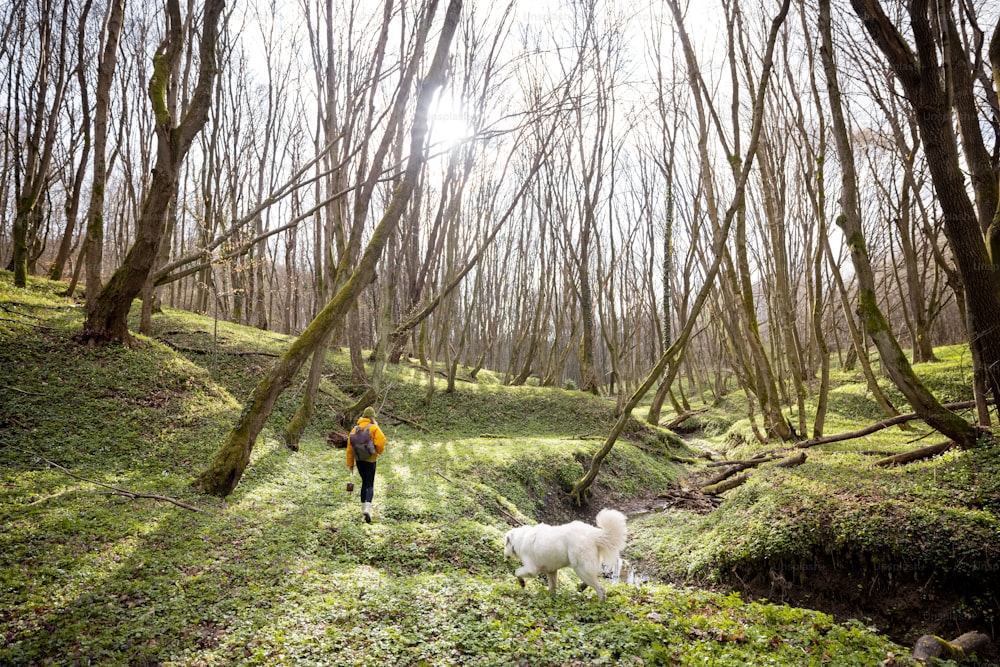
{"x": 590, "y": 579}
{"x": 522, "y": 572}
{"x": 553, "y": 580}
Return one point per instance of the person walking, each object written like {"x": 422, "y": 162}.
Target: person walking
{"x": 366, "y": 464}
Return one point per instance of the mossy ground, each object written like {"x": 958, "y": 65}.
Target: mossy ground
{"x": 914, "y": 548}
{"x": 284, "y": 572}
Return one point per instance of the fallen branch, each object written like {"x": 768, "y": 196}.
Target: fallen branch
{"x": 114, "y": 489}
{"x": 233, "y": 353}
{"x": 791, "y": 461}
{"x": 22, "y": 391}
{"x": 760, "y": 458}
{"x": 27, "y": 324}
{"x": 500, "y": 509}
{"x": 722, "y": 486}
{"x": 408, "y": 422}
{"x": 878, "y": 426}
{"x": 915, "y": 454}
{"x": 680, "y": 419}
{"x": 690, "y": 499}
{"x": 735, "y": 467}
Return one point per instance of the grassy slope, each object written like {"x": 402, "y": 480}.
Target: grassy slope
{"x": 283, "y": 571}
{"x": 916, "y": 547}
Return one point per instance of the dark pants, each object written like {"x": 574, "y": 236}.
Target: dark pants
{"x": 367, "y": 471}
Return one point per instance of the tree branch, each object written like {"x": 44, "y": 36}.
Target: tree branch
{"x": 114, "y": 489}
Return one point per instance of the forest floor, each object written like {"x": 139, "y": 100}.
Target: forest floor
{"x": 813, "y": 565}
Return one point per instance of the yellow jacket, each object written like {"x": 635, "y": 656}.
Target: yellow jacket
{"x": 378, "y": 438}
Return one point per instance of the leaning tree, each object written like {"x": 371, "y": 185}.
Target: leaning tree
{"x": 222, "y": 476}
{"x": 176, "y": 129}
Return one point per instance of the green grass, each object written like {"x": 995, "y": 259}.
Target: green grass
{"x": 283, "y": 572}
{"x": 927, "y": 530}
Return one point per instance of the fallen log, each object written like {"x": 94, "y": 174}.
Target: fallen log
{"x": 929, "y": 647}
{"x": 725, "y": 474}
{"x": 680, "y": 419}
{"x": 878, "y": 426}
{"x": 723, "y": 486}
{"x": 727, "y": 484}
{"x": 792, "y": 461}
{"x": 915, "y": 455}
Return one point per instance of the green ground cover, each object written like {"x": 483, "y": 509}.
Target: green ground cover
{"x": 283, "y": 572}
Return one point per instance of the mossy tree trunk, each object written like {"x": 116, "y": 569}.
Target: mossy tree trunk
{"x": 939, "y": 93}
{"x": 94, "y": 235}
{"x": 38, "y": 135}
{"x": 293, "y": 431}
{"x": 580, "y": 491}
{"x": 175, "y": 131}
{"x": 222, "y": 476}
{"x": 894, "y": 361}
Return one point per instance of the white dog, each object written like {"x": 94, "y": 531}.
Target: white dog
{"x": 544, "y": 548}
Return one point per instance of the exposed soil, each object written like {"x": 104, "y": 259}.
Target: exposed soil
{"x": 903, "y": 605}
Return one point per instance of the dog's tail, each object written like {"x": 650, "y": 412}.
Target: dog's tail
{"x": 612, "y": 539}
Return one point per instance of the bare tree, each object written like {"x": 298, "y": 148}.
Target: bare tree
{"x": 893, "y": 359}
{"x": 222, "y": 476}
{"x": 580, "y": 490}
{"x": 44, "y": 95}
{"x": 176, "y": 129}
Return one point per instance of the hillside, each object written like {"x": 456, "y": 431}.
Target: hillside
{"x": 284, "y": 572}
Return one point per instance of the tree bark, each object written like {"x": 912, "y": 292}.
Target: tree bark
{"x": 222, "y": 476}
{"x": 894, "y": 361}
{"x": 107, "y": 317}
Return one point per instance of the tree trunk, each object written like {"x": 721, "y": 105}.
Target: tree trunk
{"x": 39, "y": 144}
{"x": 894, "y": 361}
{"x": 580, "y": 490}
{"x": 918, "y": 71}
{"x": 233, "y": 456}
{"x": 107, "y": 317}
{"x": 73, "y": 207}
{"x": 303, "y": 415}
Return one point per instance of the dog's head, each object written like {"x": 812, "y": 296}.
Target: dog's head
{"x": 510, "y": 543}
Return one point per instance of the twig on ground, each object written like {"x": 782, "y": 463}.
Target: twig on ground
{"x": 114, "y": 489}
{"x": 22, "y": 391}
{"x": 499, "y": 509}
